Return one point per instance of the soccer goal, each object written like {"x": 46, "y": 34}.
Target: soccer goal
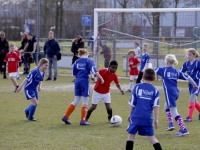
{"x": 165, "y": 30}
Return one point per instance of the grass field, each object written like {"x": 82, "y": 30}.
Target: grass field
{"x": 50, "y": 133}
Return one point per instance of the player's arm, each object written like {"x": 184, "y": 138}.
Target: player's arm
{"x": 40, "y": 86}
{"x": 21, "y": 85}
{"x": 119, "y": 87}
{"x": 156, "y": 112}
{"x": 129, "y": 117}
{"x": 193, "y": 83}
{"x": 100, "y": 77}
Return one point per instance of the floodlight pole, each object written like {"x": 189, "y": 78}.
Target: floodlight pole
{"x": 38, "y": 30}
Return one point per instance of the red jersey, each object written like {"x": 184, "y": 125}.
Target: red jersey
{"x": 17, "y": 51}
{"x": 12, "y": 59}
{"x": 132, "y": 62}
{"x": 108, "y": 78}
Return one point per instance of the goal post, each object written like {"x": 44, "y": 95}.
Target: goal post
{"x": 116, "y": 30}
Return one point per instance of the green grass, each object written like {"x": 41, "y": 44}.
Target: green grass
{"x": 50, "y": 133}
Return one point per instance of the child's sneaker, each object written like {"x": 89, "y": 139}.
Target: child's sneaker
{"x": 16, "y": 88}
{"x": 128, "y": 90}
{"x": 31, "y": 119}
{"x": 182, "y": 132}
{"x": 84, "y": 123}
{"x": 66, "y": 120}
{"x": 188, "y": 119}
{"x": 170, "y": 126}
{"x": 18, "y": 78}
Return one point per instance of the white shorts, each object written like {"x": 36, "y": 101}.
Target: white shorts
{"x": 97, "y": 97}
{"x": 13, "y": 74}
{"x": 132, "y": 77}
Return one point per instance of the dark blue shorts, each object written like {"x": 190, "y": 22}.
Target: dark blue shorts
{"x": 142, "y": 130}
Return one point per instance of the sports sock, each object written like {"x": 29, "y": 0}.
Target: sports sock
{"x": 32, "y": 111}
{"x": 70, "y": 109}
{"x": 109, "y": 114}
{"x": 129, "y": 145}
{"x": 180, "y": 122}
{"x": 157, "y": 146}
{"x": 88, "y": 114}
{"x": 197, "y": 106}
{"x": 191, "y": 109}
{"x": 130, "y": 85}
{"x": 28, "y": 108}
{"x": 169, "y": 115}
{"x": 84, "y": 110}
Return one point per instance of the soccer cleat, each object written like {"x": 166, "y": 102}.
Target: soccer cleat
{"x": 4, "y": 77}
{"x": 54, "y": 79}
{"x": 84, "y": 123}
{"x": 182, "y": 132}
{"x": 66, "y": 120}
{"x": 170, "y": 126}
{"x": 199, "y": 117}
{"x": 188, "y": 119}
{"x": 31, "y": 119}
{"x": 109, "y": 117}
{"x": 26, "y": 113}
{"x": 18, "y": 78}
{"x": 128, "y": 90}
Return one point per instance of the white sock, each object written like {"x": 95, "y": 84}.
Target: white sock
{"x": 130, "y": 85}
{"x": 18, "y": 73}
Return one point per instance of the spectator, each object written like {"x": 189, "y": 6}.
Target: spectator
{"x": 51, "y": 50}
{"x": 24, "y": 41}
{"x": 76, "y": 44}
{"x": 4, "y": 48}
{"x": 107, "y": 54}
{"x": 28, "y": 49}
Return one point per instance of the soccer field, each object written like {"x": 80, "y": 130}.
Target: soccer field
{"x": 50, "y": 133}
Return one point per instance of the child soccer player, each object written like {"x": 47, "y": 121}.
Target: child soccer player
{"x": 133, "y": 63}
{"x": 144, "y": 62}
{"x": 101, "y": 92}
{"x": 81, "y": 70}
{"x": 12, "y": 58}
{"x": 137, "y": 49}
{"x": 32, "y": 84}
{"x": 192, "y": 67}
{"x": 169, "y": 78}
{"x": 144, "y": 99}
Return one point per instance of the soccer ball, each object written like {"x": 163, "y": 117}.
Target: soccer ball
{"x": 116, "y": 121}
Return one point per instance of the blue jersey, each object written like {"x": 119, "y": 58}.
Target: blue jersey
{"x": 144, "y": 97}
{"x": 82, "y": 68}
{"x": 144, "y": 60}
{"x": 170, "y": 76}
{"x": 33, "y": 79}
{"x": 193, "y": 70}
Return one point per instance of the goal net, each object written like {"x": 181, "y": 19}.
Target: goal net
{"x": 164, "y": 30}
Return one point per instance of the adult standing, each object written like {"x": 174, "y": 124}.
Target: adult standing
{"x": 51, "y": 51}
{"x": 24, "y": 41}
{"x": 76, "y": 44}
{"x": 106, "y": 51}
{"x": 29, "y": 49}
{"x": 4, "y": 48}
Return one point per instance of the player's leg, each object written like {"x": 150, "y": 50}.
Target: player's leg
{"x": 14, "y": 81}
{"x": 130, "y": 142}
{"x": 70, "y": 109}
{"x": 96, "y": 98}
{"x": 183, "y": 130}
{"x": 197, "y": 106}
{"x": 109, "y": 110}
{"x": 154, "y": 142}
{"x": 170, "y": 126}
{"x": 130, "y": 84}
{"x": 90, "y": 110}
{"x": 84, "y": 110}
{"x": 193, "y": 98}
{"x": 139, "y": 77}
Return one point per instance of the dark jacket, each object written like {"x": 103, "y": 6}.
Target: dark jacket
{"x": 51, "y": 48}
{"x": 76, "y": 45}
{"x": 106, "y": 52}
{"x": 4, "y": 46}
{"x": 23, "y": 44}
